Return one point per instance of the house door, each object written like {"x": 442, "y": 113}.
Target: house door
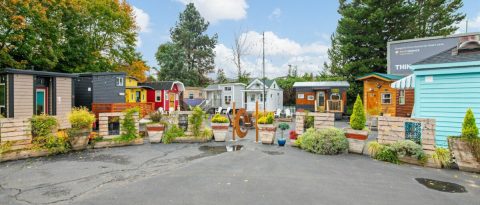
{"x": 138, "y": 96}
{"x": 41, "y": 101}
{"x": 171, "y": 98}
{"x": 320, "y": 101}
{"x": 372, "y": 102}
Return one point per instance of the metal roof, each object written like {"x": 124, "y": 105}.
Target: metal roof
{"x": 381, "y": 75}
{"x": 448, "y": 57}
{"x": 404, "y": 83}
{"x": 322, "y": 84}
{"x": 36, "y": 72}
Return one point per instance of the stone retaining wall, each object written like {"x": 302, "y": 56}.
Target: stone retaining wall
{"x": 322, "y": 120}
{"x": 392, "y": 129}
{"x": 16, "y": 132}
{"x": 103, "y": 123}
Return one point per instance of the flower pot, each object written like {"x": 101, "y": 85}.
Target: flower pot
{"x": 155, "y": 132}
{"x": 220, "y": 131}
{"x": 267, "y": 133}
{"x": 79, "y": 140}
{"x": 463, "y": 155}
{"x": 356, "y": 140}
{"x": 281, "y": 142}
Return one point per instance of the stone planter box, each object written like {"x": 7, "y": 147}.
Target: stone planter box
{"x": 267, "y": 133}
{"x": 220, "y": 131}
{"x": 155, "y": 132}
{"x": 463, "y": 155}
{"x": 80, "y": 140}
{"x": 190, "y": 140}
{"x": 22, "y": 154}
{"x": 356, "y": 140}
{"x": 410, "y": 160}
{"x": 111, "y": 143}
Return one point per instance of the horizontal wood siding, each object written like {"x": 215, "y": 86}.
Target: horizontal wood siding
{"x": 372, "y": 95}
{"x": 23, "y": 95}
{"x": 64, "y": 99}
{"x": 446, "y": 99}
{"x": 406, "y": 109}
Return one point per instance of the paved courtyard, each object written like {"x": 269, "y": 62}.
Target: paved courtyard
{"x": 190, "y": 174}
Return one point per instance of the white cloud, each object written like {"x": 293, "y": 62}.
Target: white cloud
{"x": 217, "y": 10}
{"x": 276, "y": 13}
{"x": 473, "y": 25}
{"x": 142, "y": 20}
{"x": 280, "y": 52}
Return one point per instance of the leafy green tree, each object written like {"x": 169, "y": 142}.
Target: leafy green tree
{"x": 221, "y": 77}
{"x": 189, "y": 34}
{"x": 171, "y": 59}
{"x": 358, "y": 118}
{"x": 469, "y": 126}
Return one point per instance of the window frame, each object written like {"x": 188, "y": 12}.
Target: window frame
{"x": 401, "y": 96}
{"x": 227, "y": 97}
{"x": 191, "y": 95}
{"x": 300, "y": 95}
{"x": 382, "y": 98}
{"x": 229, "y": 88}
{"x": 3, "y": 107}
{"x": 158, "y": 96}
{"x": 119, "y": 81}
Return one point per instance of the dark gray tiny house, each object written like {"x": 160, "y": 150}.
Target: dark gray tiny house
{"x": 24, "y": 93}
{"x": 99, "y": 88}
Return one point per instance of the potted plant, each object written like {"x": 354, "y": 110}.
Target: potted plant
{"x": 283, "y": 126}
{"x": 156, "y": 127}
{"x": 267, "y": 129}
{"x": 82, "y": 121}
{"x": 220, "y": 126}
{"x": 357, "y": 134}
{"x": 466, "y": 148}
{"x": 293, "y": 137}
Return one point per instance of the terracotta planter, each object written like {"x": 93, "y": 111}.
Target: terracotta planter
{"x": 267, "y": 133}
{"x": 356, "y": 140}
{"x": 155, "y": 132}
{"x": 463, "y": 155}
{"x": 220, "y": 131}
{"x": 80, "y": 139}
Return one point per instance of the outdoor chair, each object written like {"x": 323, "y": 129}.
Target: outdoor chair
{"x": 288, "y": 114}
{"x": 278, "y": 113}
{"x": 160, "y": 110}
{"x": 227, "y": 111}
{"x": 219, "y": 110}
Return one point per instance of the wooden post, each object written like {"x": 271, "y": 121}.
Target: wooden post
{"x": 256, "y": 121}
{"x": 233, "y": 124}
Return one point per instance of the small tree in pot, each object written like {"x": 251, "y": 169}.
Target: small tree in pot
{"x": 466, "y": 148}
{"x": 156, "y": 127}
{"x": 82, "y": 121}
{"x": 267, "y": 129}
{"x": 220, "y": 126}
{"x": 357, "y": 134}
{"x": 283, "y": 126}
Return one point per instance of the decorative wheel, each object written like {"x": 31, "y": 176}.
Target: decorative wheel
{"x": 241, "y": 120}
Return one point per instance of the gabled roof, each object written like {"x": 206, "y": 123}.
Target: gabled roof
{"x": 447, "y": 57}
{"x": 383, "y": 76}
{"x": 36, "y": 72}
{"x": 162, "y": 85}
{"x": 322, "y": 84}
{"x": 268, "y": 82}
{"x": 217, "y": 86}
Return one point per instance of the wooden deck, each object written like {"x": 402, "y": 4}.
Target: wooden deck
{"x": 145, "y": 108}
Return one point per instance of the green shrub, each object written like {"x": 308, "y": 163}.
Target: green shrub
{"x": 387, "y": 154}
{"x": 268, "y": 119}
{"x": 443, "y": 156}
{"x": 53, "y": 143}
{"x": 156, "y": 117}
{"x": 43, "y": 125}
{"x": 309, "y": 120}
{"x": 409, "y": 148}
{"x": 298, "y": 141}
{"x": 129, "y": 129}
{"x": 81, "y": 118}
{"x": 325, "y": 141}
{"x": 207, "y": 133}
{"x": 358, "y": 118}
{"x": 374, "y": 148}
{"x": 469, "y": 127}
{"x": 171, "y": 133}
{"x": 217, "y": 118}
{"x": 196, "y": 120}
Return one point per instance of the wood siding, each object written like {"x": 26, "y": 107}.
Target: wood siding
{"x": 23, "y": 95}
{"x": 305, "y": 100}
{"x": 63, "y": 99}
{"x": 372, "y": 96}
{"x": 406, "y": 109}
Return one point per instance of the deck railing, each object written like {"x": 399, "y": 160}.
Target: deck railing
{"x": 145, "y": 108}
{"x": 334, "y": 105}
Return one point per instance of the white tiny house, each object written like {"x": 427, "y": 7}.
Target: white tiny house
{"x": 255, "y": 91}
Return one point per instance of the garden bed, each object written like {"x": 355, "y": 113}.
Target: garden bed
{"x": 23, "y": 154}
{"x": 112, "y": 143}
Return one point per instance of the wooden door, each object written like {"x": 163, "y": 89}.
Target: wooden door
{"x": 171, "y": 100}
{"x": 320, "y": 101}
{"x": 372, "y": 102}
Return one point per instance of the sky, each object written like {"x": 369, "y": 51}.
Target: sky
{"x": 297, "y": 33}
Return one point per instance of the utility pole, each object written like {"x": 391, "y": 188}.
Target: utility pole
{"x": 466, "y": 26}
{"x": 263, "y": 65}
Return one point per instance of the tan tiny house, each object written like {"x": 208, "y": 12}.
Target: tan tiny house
{"x": 24, "y": 93}
{"x": 379, "y": 98}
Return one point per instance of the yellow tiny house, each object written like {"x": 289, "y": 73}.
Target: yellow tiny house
{"x": 134, "y": 92}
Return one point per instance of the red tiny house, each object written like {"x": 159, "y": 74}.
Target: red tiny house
{"x": 165, "y": 94}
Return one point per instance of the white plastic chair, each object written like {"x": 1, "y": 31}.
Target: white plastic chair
{"x": 278, "y": 113}
{"x": 219, "y": 110}
{"x": 288, "y": 113}
{"x": 160, "y": 110}
{"x": 227, "y": 110}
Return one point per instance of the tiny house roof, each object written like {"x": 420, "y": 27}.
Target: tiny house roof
{"x": 322, "y": 84}
{"x": 163, "y": 85}
{"x": 217, "y": 86}
{"x": 383, "y": 76}
{"x": 451, "y": 55}
{"x": 36, "y": 72}
{"x": 100, "y": 74}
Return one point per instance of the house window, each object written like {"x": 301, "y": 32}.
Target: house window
{"x": 166, "y": 96}
{"x": 300, "y": 96}
{"x": 228, "y": 88}
{"x": 401, "y": 97}
{"x": 119, "y": 81}
{"x": 310, "y": 97}
{"x": 228, "y": 99}
{"x": 386, "y": 98}
{"x": 158, "y": 95}
{"x": 261, "y": 98}
{"x": 335, "y": 96}
{"x": 200, "y": 94}
{"x": 252, "y": 98}
{"x": 190, "y": 96}
{"x": 3, "y": 96}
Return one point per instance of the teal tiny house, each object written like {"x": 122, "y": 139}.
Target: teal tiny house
{"x": 446, "y": 85}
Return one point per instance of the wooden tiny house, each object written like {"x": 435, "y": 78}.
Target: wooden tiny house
{"x": 378, "y": 96}
{"x": 164, "y": 94}
{"x": 24, "y": 93}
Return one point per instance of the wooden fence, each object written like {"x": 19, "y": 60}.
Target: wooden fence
{"x": 145, "y": 108}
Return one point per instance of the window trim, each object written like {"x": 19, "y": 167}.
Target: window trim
{"x": 225, "y": 88}
{"x": 158, "y": 96}
{"x": 225, "y": 99}
{"x": 119, "y": 81}
{"x": 382, "y": 98}
{"x": 300, "y": 95}
{"x": 400, "y": 97}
